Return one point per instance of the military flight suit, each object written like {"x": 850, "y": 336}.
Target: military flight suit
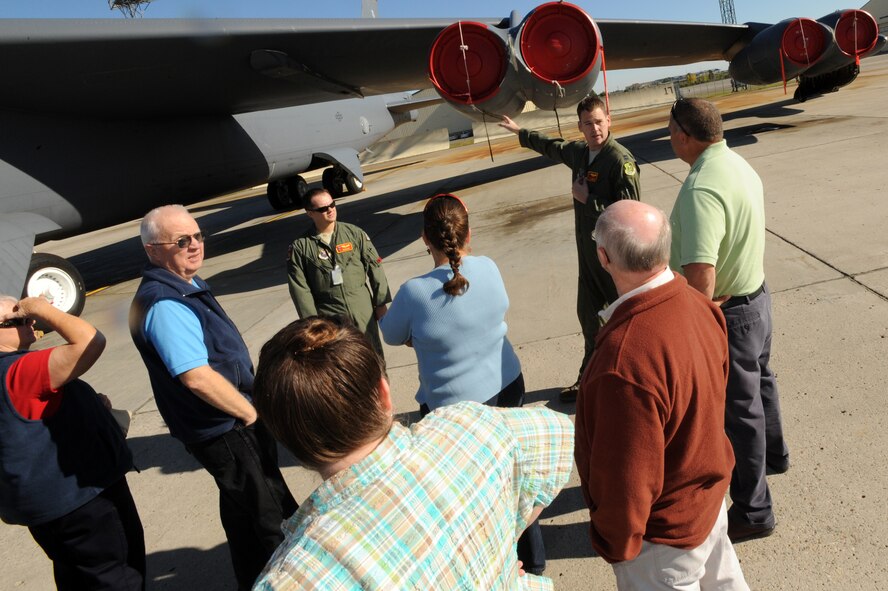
{"x": 612, "y": 175}
{"x": 319, "y": 289}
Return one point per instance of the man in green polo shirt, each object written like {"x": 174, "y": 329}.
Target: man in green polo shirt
{"x": 602, "y": 172}
{"x": 718, "y": 243}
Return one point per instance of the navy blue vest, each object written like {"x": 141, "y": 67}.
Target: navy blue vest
{"x": 51, "y": 467}
{"x": 189, "y": 418}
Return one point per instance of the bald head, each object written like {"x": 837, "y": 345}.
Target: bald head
{"x": 635, "y": 235}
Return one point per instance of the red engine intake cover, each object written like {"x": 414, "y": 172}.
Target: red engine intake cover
{"x": 559, "y": 42}
{"x": 472, "y": 75}
{"x": 803, "y": 41}
{"x": 856, "y": 32}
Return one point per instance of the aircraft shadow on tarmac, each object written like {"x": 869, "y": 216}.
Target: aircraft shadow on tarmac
{"x": 123, "y": 260}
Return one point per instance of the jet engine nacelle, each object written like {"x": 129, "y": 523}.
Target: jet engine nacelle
{"x": 798, "y": 43}
{"x": 559, "y": 55}
{"x": 469, "y": 66}
{"x": 856, "y": 34}
{"x": 551, "y": 58}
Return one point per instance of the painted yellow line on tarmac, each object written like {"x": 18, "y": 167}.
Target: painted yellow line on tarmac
{"x": 95, "y": 291}
{"x": 279, "y": 216}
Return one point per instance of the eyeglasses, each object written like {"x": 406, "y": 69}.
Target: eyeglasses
{"x": 184, "y": 241}
{"x": 674, "y": 118}
{"x": 323, "y": 208}
{"x": 16, "y": 322}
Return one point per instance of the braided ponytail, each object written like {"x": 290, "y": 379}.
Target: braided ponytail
{"x": 446, "y": 226}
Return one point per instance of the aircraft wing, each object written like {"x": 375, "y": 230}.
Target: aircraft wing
{"x": 148, "y": 67}
{"x": 648, "y": 44}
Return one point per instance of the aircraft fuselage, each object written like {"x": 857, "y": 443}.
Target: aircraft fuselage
{"x": 81, "y": 173}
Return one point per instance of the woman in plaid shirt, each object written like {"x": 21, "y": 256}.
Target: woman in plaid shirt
{"x": 430, "y": 507}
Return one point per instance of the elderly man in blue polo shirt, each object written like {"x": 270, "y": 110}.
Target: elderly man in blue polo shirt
{"x": 202, "y": 377}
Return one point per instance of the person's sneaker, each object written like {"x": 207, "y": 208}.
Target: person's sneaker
{"x": 569, "y": 394}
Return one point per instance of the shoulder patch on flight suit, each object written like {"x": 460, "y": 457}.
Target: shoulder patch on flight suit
{"x": 344, "y": 247}
{"x": 323, "y": 254}
{"x": 629, "y": 168}
{"x": 591, "y": 176}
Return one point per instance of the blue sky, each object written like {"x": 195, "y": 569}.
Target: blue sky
{"x": 692, "y": 10}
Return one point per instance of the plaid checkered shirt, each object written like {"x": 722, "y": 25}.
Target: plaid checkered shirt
{"x": 438, "y": 506}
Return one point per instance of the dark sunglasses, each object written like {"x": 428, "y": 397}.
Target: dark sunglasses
{"x": 16, "y": 322}
{"x": 184, "y": 241}
{"x": 324, "y": 208}
{"x": 677, "y": 122}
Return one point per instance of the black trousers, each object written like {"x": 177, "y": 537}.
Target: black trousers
{"x": 253, "y": 497}
{"x": 100, "y": 545}
{"x": 531, "y": 549}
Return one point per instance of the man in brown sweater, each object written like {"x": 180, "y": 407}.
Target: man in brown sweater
{"x": 651, "y": 450}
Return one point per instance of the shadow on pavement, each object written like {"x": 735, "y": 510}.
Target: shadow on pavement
{"x": 561, "y": 542}
{"x": 568, "y": 500}
{"x": 190, "y": 568}
{"x": 170, "y": 456}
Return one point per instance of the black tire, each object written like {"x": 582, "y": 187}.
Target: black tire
{"x": 296, "y": 189}
{"x": 331, "y": 182}
{"x": 353, "y": 185}
{"x": 53, "y": 274}
{"x": 278, "y": 196}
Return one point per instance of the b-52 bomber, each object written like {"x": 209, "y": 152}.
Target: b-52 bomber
{"x": 105, "y": 119}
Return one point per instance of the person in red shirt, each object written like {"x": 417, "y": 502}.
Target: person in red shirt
{"x": 63, "y": 458}
{"x": 651, "y": 449}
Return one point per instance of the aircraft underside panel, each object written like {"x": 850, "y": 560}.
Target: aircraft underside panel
{"x": 16, "y": 242}
{"x": 86, "y": 173}
{"x": 335, "y": 132}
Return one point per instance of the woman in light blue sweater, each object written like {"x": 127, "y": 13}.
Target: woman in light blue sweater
{"x": 454, "y": 318}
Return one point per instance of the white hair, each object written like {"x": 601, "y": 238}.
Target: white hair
{"x": 149, "y": 230}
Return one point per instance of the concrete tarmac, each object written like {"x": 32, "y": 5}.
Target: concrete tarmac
{"x": 823, "y": 165}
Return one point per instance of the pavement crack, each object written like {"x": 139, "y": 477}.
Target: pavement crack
{"x": 844, "y": 275}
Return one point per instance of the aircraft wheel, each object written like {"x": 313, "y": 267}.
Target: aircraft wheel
{"x": 279, "y": 195}
{"x": 53, "y": 275}
{"x": 296, "y": 189}
{"x": 353, "y": 185}
{"x": 332, "y": 184}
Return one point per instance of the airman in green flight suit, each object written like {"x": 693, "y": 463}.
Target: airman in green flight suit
{"x": 334, "y": 270}
{"x": 602, "y": 172}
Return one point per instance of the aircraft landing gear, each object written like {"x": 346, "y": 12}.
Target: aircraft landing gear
{"x": 338, "y": 182}
{"x": 52, "y": 275}
{"x": 287, "y": 193}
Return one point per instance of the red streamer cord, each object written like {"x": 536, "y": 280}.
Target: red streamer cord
{"x": 604, "y": 73}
